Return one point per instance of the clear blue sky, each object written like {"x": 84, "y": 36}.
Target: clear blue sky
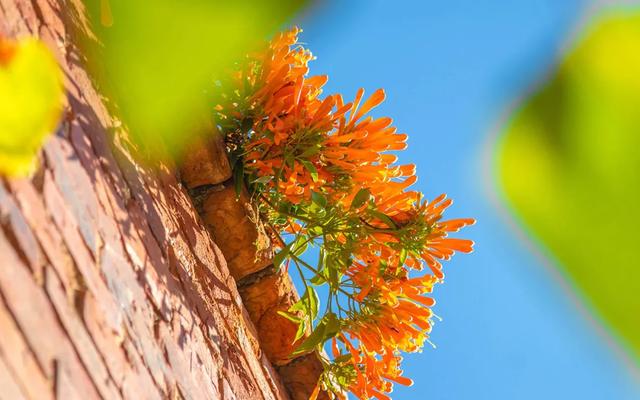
{"x": 451, "y": 70}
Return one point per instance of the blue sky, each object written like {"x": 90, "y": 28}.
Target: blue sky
{"x": 452, "y": 70}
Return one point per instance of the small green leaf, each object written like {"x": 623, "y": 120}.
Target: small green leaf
{"x": 289, "y": 160}
{"x": 403, "y": 255}
{"x": 302, "y": 329}
{"x": 298, "y": 306}
{"x": 311, "y": 168}
{"x": 314, "y": 302}
{"x": 384, "y": 218}
{"x": 360, "y": 198}
{"x": 238, "y": 177}
{"x": 263, "y": 179}
{"x": 299, "y": 246}
{"x": 319, "y": 199}
{"x": 318, "y": 280}
{"x": 234, "y": 156}
{"x": 331, "y": 271}
{"x": 290, "y": 317}
{"x": 332, "y": 326}
{"x": 316, "y": 338}
{"x": 310, "y": 151}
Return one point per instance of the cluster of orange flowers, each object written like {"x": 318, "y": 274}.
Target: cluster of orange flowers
{"x": 299, "y": 146}
{"x": 397, "y": 317}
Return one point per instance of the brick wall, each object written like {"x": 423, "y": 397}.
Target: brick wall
{"x": 110, "y": 284}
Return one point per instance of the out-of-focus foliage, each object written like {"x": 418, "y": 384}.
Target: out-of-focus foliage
{"x": 31, "y": 100}
{"x": 158, "y": 59}
{"x": 570, "y": 166}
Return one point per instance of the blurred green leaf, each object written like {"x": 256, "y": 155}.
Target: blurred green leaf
{"x": 570, "y": 167}
{"x": 160, "y": 60}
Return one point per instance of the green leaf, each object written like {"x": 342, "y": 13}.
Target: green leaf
{"x": 290, "y": 317}
{"x": 327, "y": 328}
{"x": 331, "y": 272}
{"x": 315, "y": 338}
{"x": 160, "y": 99}
{"x": 302, "y": 329}
{"x": 318, "y": 278}
{"x": 360, "y": 198}
{"x": 384, "y": 218}
{"x": 299, "y": 246}
{"x": 289, "y": 160}
{"x": 263, "y": 179}
{"x": 403, "y": 255}
{"x": 309, "y": 303}
{"x": 332, "y": 326}
{"x": 238, "y": 177}
{"x": 313, "y": 302}
{"x": 311, "y": 168}
{"x": 298, "y": 306}
{"x": 319, "y": 199}
{"x": 234, "y": 156}
{"x": 310, "y": 151}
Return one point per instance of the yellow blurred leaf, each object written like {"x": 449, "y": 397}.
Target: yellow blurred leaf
{"x": 31, "y": 92}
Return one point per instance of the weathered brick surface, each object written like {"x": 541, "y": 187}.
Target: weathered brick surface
{"x": 205, "y": 161}
{"x": 300, "y": 377}
{"x": 236, "y": 229}
{"x": 263, "y": 299}
{"x": 110, "y": 286}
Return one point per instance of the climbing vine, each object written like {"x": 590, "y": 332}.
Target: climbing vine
{"x": 323, "y": 176}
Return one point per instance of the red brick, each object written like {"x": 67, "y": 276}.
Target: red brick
{"x": 204, "y": 161}
{"x": 10, "y": 388}
{"x": 234, "y": 228}
{"x": 83, "y": 343}
{"x": 37, "y": 320}
{"x": 20, "y": 232}
{"x": 19, "y": 358}
{"x": 263, "y": 300}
